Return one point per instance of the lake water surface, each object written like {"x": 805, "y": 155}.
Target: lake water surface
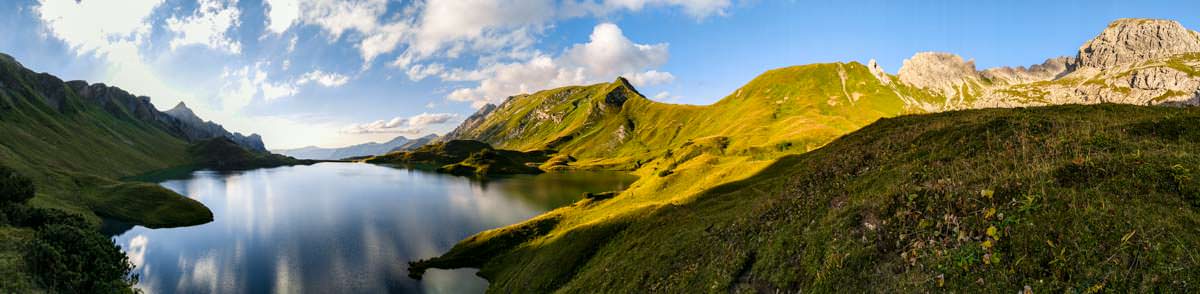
{"x": 338, "y": 228}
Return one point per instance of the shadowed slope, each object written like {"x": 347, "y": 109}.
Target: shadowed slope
{"x": 72, "y": 146}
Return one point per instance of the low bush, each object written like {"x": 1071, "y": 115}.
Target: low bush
{"x": 70, "y": 259}
{"x": 14, "y": 188}
{"x": 66, "y": 254}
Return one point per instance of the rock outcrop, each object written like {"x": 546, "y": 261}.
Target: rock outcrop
{"x": 471, "y": 123}
{"x": 946, "y": 74}
{"x": 618, "y": 95}
{"x": 1051, "y": 69}
{"x": 1134, "y": 61}
{"x": 878, "y": 72}
{"x": 1128, "y": 41}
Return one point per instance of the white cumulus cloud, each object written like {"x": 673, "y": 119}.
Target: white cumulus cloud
{"x": 431, "y": 29}
{"x": 421, "y": 71}
{"x": 243, "y": 84}
{"x": 271, "y": 92}
{"x": 483, "y": 24}
{"x": 699, "y": 9}
{"x": 336, "y": 17}
{"x": 665, "y": 96}
{"x": 281, "y": 14}
{"x": 413, "y": 125}
{"x": 93, "y": 26}
{"x": 208, "y": 26}
{"x": 650, "y": 77}
{"x": 384, "y": 40}
{"x": 323, "y": 78}
{"x": 427, "y": 119}
{"x": 607, "y": 54}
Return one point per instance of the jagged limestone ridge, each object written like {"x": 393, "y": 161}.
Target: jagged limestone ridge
{"x": 1133, "y": 61}
{"x": 195, "y": 129}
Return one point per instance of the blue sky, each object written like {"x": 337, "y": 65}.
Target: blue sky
{"x": 333, "y": 73}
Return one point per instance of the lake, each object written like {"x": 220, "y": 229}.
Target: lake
{"x": 338, "y": 227}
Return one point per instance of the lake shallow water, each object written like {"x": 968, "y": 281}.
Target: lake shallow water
{"x": 338, "y": 228}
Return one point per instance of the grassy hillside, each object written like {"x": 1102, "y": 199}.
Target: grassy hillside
{"x": 76, "y": 149}
{"x": 224, "y": 154}
{"x": 612, "y": 125}
{"x": 680, "y": 150}
{"x": 433, "y": 155}
{"x": 466, "y": 158}
{"x": 1074, "y": 198}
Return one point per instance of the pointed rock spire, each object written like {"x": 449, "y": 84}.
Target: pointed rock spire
{"x": 878, "y": 72}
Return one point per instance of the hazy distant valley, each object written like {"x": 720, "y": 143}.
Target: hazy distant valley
{"x": 400, "y": 143}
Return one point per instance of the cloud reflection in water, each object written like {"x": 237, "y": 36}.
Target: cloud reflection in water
{"x": 329, "y": 228}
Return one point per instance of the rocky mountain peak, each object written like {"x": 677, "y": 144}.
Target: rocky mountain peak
{"x": 623, "y": 82}
{"x": 181, "y": 108}
{"x": 938, "y": 71}
{"x": 1049, "y": 70}
{"x": 194, "y": 128}
{"x": 472, "y": 122}
{"x": 183, "y": 113}
{"x": 620, "y": 92}
{"x": 1133, "y": 40}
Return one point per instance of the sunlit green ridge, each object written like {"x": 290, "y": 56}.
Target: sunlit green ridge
{"x": 794, "y": 108}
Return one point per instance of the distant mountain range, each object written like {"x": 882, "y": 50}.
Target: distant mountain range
{"x": 400, "y": 143}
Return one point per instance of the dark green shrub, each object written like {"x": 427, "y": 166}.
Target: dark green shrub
{"x": 14, "y": 188}
{"x": 33, "y": 217}
{"x": 70, "y": 259}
